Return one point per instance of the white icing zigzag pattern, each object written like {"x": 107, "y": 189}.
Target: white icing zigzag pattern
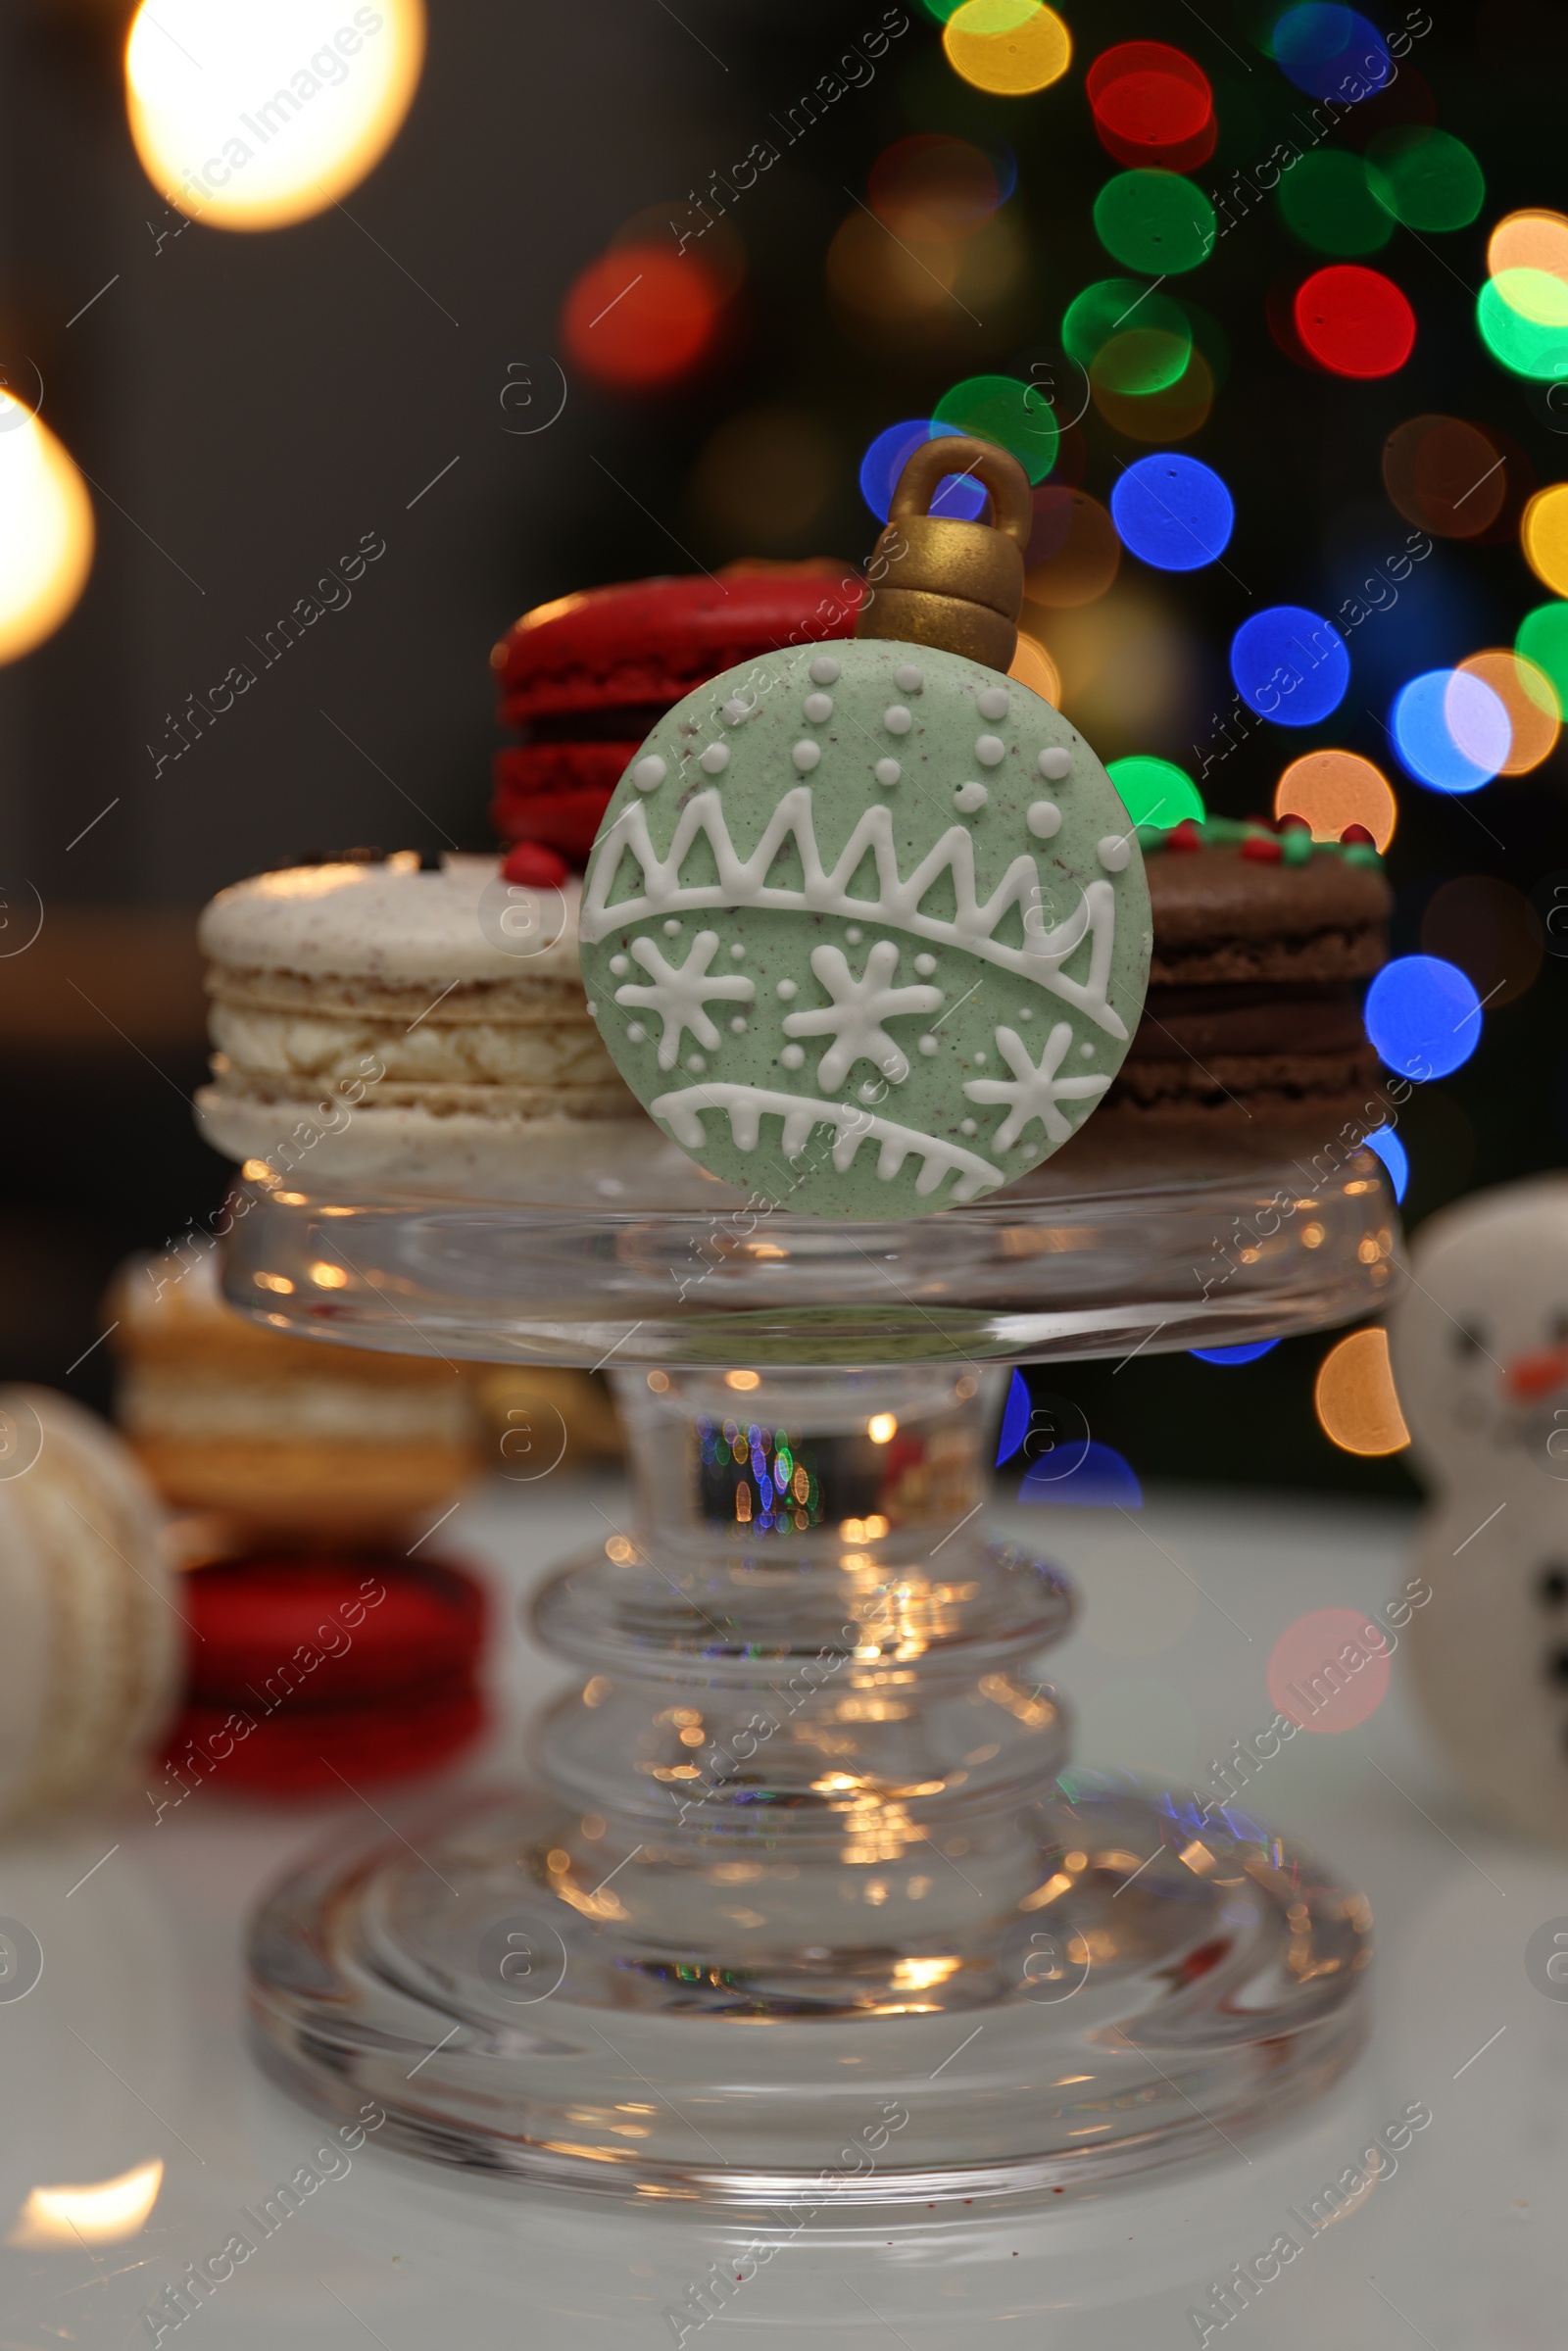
{"x": 748, "y": 1105}
{"x": 742, "y": 882}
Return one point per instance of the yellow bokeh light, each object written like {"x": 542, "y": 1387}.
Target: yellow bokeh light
{"x": 882, "y": 1428}
{"x": 1529, "y": 240}
{"x": 1010, "y": 47}
{"x": 1357, "y": 1406}
{"x": 1544, "y": 536}
{"x": 252, "y": 113}
{"x": 1333, "y": 789}
{"x": 1033, "y": 667}
{"x": 103, "y": 2213}
{"x": 46, "y": 531}
{"x": 1530, "y": 698}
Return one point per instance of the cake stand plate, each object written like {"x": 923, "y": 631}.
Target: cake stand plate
{"x": 808, "y": 1901}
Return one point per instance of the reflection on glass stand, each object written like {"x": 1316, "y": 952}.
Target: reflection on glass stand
{"x": 807, "y": 1882}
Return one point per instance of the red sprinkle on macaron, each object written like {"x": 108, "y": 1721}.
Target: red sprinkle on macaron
{"x": 1264, "y": 849}
{"x": 1292, "y": 824}
{"x": 535, "y": 867}
{"x": 1356, "y": 836}
{"x": 1183, "y": 836}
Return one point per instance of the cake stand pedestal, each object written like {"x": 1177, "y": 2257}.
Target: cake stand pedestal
{"x": 808, "y": 1901}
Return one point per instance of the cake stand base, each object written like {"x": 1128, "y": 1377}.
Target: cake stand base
{"x": 810, "y": 1903}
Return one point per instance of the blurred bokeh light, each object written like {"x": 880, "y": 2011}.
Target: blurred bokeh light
{"x": 639, "y": 318}
{"x": 1329, "y": 1671}
{"x": 1450, "y": 730}
{"x": 931, "y": 187}
{"x": 1129, "y": 338}
{"x": 220, "y": 148}
{"x": 1152, "y": 105}
{"x": 1328, "y": 200}
{"x": 1155, "y": 790}
{"x": 1544, "y": 536}
{"x": 1489, "y": 930}
{"x": 1074, "y": 552}
{"x": 1357, "y": 1404}
{"x": 1289, "y": 665}
{"x": 1001, "y": 409}
{"x": 1355, "y": 321}
{"x": 1529, "y": 699}
{"x": 764, "y": 480}
{"x": 1009, "y": 47}
{"x": 1423, "y": 1016}
{"x": 1331, "y": 52}
{"x": 46, "y": 531}
{"x": 1335, "y": 789}
{"x": 1034, "y": 667}
{"x": 1154, "y": 220}
{"x": 1173, "y": 512}
{"x": 959, "y": 496}
{"x": 1445, "y": 475}
{"x": 1427, "y": 178}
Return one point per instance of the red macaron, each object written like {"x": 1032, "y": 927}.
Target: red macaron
{"x": 307, "y": 1671}
{"x": 585, "y": 678}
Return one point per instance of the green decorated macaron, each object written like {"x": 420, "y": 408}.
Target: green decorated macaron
{"x": 865, "y": 928}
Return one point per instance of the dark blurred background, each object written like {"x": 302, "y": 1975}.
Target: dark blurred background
{"x": 248, "y": 407}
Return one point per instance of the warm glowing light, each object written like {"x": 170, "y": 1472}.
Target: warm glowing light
{"x": 1333, "y": 789}
{"x": 104, "y": 2212}
{"x": 1529, "y": 240}
{"x": 1330, "y": 1670}
{"x": 1357, "y": 1406}
{"x": 1446, "y": 476}
{"x": 1355, "y": 321}
{"x": 640, "y": 316}
{"x": 252, "y": 115}
{"x": 1152, "y": 105}
{"x": 930, "y": 187}
{"x": 1034, "y": 667}
{"x": 1073, "y": 554}
{"x": 1530, "y": 698}
{"x": 1009, "y": 47}
{"x": 329, "y": 1277}
{"x": 274, "y": 1281}
{"x": 1544, "y": 536}
{"x": 882, "y": 1428}
{"x": 46, "y": 533}
{"x": 743, "y": 1379}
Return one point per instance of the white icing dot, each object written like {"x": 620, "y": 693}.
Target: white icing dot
{"x": 792, "y": 1055}
{"x": 738, "y": 1024}
{"x": 1085, "y": 1052}
{"x": 635, "y": 1031}
{"x": 819, "y": 707}
{"x": 735, "y": 712}
{"x": 868, "y": 1093}
{"x": 1026, "y": 1012}
{"x": 992, "y": 701}
{"x": 990, "y": 751}
{"x": 853, "y": 934}
{"x": 1053, "y": 763}
{"x": 925, "y": 965}
{"x": 979, "y": 1060}
{"x": 806, "y": 756}
{"x": 737, "y": 953}
{"x": 694, "y": 1061}
{"x": 887, "y": 772}
{"x": 896, "y": 719}
{"x": 966, "y": 1126}
{"x": 969, "y": 797}
{"x": 714, "y": 760}
{"x": 593, "y": 1011}
{"x": 1044, "y": 819}
{"x": 672, "y": 927}
{"x": 619, "y": 965}
{"x": 909, "y": 678}
{"x": 787, "y": 988}
{"x": 649, "y": 773}
{"x": 1114, "y": 852}
{"x": 927, "y": 1046}
{"x": 824, "y": 670}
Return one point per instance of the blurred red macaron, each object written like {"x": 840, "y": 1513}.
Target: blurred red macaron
{"x": 585, "y": 678}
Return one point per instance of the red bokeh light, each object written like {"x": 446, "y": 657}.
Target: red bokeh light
{"x": 1152, "y": 105}
{"x": 1355, "y": 321}
{"x": 639, "y": 316}
{"x": 1330, "y": 1670}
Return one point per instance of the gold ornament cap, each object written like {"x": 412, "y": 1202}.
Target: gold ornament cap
{"x": 933, "y": 581}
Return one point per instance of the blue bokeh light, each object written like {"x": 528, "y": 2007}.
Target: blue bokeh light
{"x": 1450, "y": 730}
{"x": 1173, "y": 512}
{"x": 1099, "y": 1479}
{"x": 1331, "y": 52}
{"x": 960, "y": 498}
{"x": 1248, "y": 1351}
{"x": 1423, "y": 1016}
{"x": 1394, "y": 1157}
{"x": 1289, "y": 665}
{"x": 1015, "y": 1419}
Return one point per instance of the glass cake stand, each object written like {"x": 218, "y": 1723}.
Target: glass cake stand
{"x": 807, "y": 1901}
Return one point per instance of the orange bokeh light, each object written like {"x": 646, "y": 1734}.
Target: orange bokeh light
{"x": 1530, "y": 698}
{"x": 1529, "y": 240}
{"x": 1333, "y": 789}
{"x": 639, "y": 316}
{"x": 1357, "y": 1406}
{"x": 1033, "y": 667}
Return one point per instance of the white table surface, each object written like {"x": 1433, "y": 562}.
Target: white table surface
{"x": 131, "y": 2046}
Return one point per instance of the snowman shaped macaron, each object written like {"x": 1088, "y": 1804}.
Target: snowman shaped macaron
{"x": 865, "y": 926}
{"x": 1479, "y": 1348}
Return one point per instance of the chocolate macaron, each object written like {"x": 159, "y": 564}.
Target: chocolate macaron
{"x": 584, "y": 679}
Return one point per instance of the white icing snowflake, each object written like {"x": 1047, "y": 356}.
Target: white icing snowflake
{"x": 1034, "y": 1093}
{"x": 855, "y": 1018}
{"x": 678, "y": 993}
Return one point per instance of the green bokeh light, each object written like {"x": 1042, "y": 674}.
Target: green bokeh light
{"x": 1155, "y": 790}
{"x": 1326, "y": 199}
{"x": 1154, "y": 220}
{"x": 1427, "y": 178}
{"x": 1523, "y": 319}
{"x": 1131, "y": 338}
{"x": 1543, "y": 639}
{"x": 1001, "y": 409}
